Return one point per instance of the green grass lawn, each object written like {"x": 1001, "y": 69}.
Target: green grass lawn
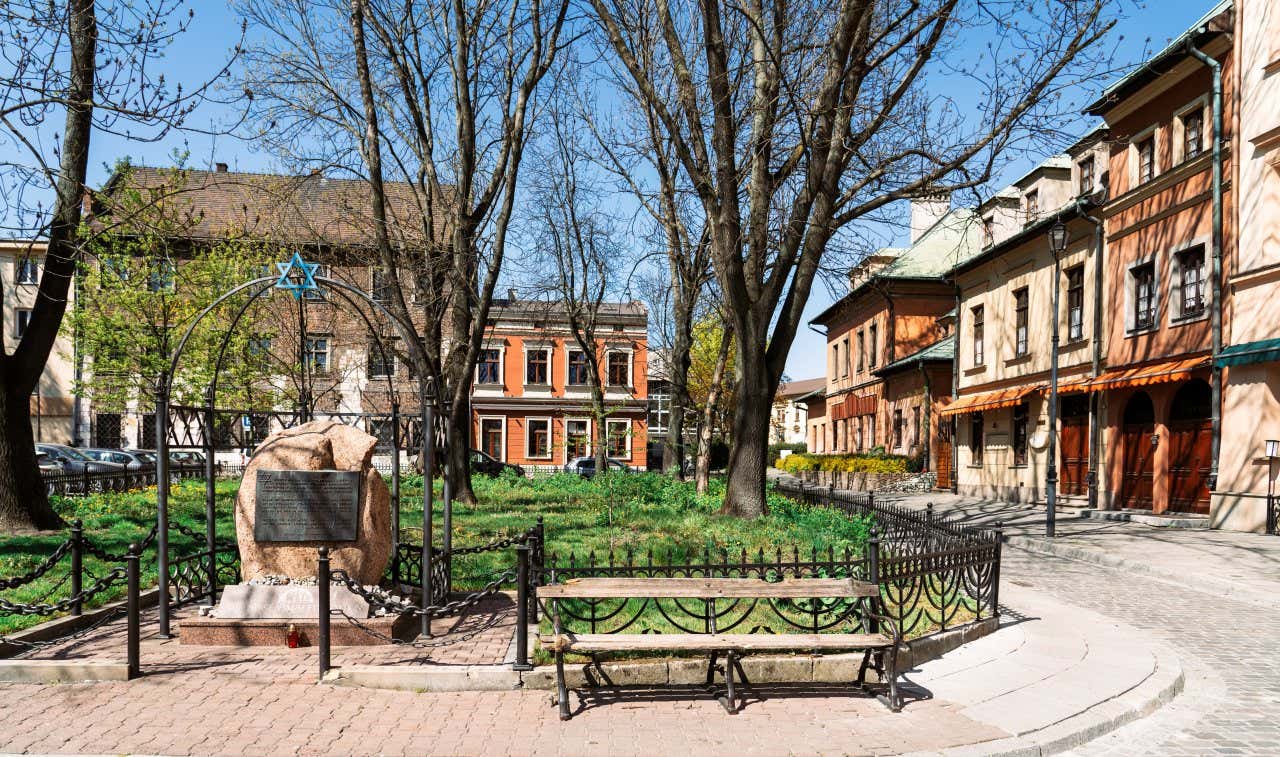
{"x": 637, "y": 512}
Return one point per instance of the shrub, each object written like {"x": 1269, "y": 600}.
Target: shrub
{"x": 775, "y": 450}
{"x": 844, "y": 463}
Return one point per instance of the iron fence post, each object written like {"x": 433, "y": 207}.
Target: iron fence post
{"x": 995, "y": 572}
{"x": 133, "y": 602}
{"x": 322, "y": 602}
{"x": 162, "y": 501}
{"x": 539, "y": 545}
{"x": 873, "y": 577}
{"x": 77, "y": 564}
{"x": 210, "y": 494}
{"x": 522, "y": 608}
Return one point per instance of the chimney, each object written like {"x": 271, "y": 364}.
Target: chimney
{"x": 925, "y": 212}
{"x": 220, "y": 167}
{"x": 511, "y": 294}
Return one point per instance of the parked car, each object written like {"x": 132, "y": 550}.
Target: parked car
{"x": 47, "y": 464}
{"x": 187, "y": 457}
{"x": 177, "y": 459}
{"x": 75, "y": 461}
{"x": 130, "y": 460}
{"x": 586, "y": 466}
{"x": 486, "y": 465}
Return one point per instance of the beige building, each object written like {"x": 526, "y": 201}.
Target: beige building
{"x": 789, "y": 423}
{"x": 1251, "y": 358}
{"x": 52, "y": 404}
{"x": 1004, "y": 349}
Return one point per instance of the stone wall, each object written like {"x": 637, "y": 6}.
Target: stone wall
{"x": 874, "y": 482}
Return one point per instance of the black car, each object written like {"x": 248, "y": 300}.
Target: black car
{"x": 75, "y": 461}
{"x": 586, "y": 466}
{"x": 485, "y": 464}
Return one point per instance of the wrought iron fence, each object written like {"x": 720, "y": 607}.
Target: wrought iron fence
{"x": 86, "y": 483}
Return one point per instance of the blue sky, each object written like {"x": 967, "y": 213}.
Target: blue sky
{"x": 216, "y": 29}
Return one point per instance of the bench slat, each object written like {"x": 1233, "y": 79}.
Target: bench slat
{"x": 705, "y": 588}
{"x": 706, "y": 642}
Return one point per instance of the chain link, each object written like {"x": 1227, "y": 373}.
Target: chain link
{"x": 444, "y": 642}
{"x": 31, "y": 646}
{"x": 437, "y": 611}
{"x": 44, "y": 567}
{"x": 106, "y": 556}
{"x": 41, "y": 608}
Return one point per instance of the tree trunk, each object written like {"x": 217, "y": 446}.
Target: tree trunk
{"x": 458, "y": 451}
{"x": 702, "y": 472}
{"x": 25, "y": 504}
{"x": 745, "y": 494}
{"x": 673, "y": 444}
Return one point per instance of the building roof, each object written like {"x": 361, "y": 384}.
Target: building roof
{"x": 952, "y": 240}
{"x": 1201, "y": 31}
{"x": 309, "y": 210}
{"x": 1065, "y": 214}
{"x": 941, "y": 351}
{"x": 794, "y": 389}
{"x": 511, "y": 308}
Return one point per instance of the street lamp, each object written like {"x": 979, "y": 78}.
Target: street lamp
{"x": 1273, "y": 451}
{"x": 1057, "y": 245}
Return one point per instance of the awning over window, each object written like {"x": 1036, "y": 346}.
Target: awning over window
{"x": 1264, "y": 351}
{"x": 1159, "y": 373}
{"x": 976, "y": 403}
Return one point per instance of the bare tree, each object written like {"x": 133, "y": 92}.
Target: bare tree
{"x": 440, "y": 97}
{"x": 92, "y": 65}
{"x": 793, "y": 120}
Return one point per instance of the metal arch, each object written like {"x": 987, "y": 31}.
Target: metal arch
{"x": 186, "y": 335}
{"x": 226, "y": 340}
{"x": 391, "y": 387}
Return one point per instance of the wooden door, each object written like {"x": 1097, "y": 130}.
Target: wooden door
{"x": 1073, "y": 443}
{"x": 1139, "y": 466}
{"x": 1190, "y": 447}
{"x": 942, "y": 454}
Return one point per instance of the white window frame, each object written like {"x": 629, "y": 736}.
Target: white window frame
{"x": 22, "y": 265}
{"x": 1179, "y": 129}
{"x": 569, "y": 348}
{"x": 1174, "y": 315}
{"x": 502, "y": 421}
{"x": 1092, "y": 159}
{"x": 1134, "y": 141}
{"x": 20, "y": 328}
{"x": 502, "y": 366}
{"x": 328, "y": 353}
{"x": 614, "y": 421}
{"x": 544, "y": 348}
{"x": 590, "y": 444}
{"x": 631, "y": 368}
{"x": 528, "y": 425}
{"x": 1131, "y": 295}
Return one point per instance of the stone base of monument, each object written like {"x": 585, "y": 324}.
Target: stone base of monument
{"x": 261, "y": 615}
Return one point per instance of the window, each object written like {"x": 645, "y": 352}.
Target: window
{"x": 259, "y": 345}
{"x": 21, "y": 321}
{"x": 1191, "y": 270}
{"x": 1075, "y": 303}
{"x": 161, "y": 277}
{"x": 537, "y": 366}
{"x": 619, "y": 368}
{"x": 988, "y": 231}
{"x": 618, "y": 438}
{"x": 1192, "y": 134}
{"x": 317, "y": 353}
{"x": 861, "y": 421}
{"x": 975, "y": 439}
{"x": 489, "y": 367}
{"x": 1020, "y": 298}
{"x": 577, "y": 438}
{"x": 979, "y": 357}
{"x": 1020, "y": 434}
{"x": 317, "y": 293}
{"x": 537, "y": 433}
{"x": 1146, "y": 160}
{"x": 492, "y": 438}
{"x": 871, "y": 347}
{"x": 871, "y": 431}
{"x": 577, "y": 368}
{"x": 1032, "y": 206}
{"x": 862, "y": 353}
{"x": 898, "y": 427}
{"x": 915, "y": 425}
{"x": 659, "y": 411}
{"x": 1086, "y": 175}
{"x": 381, "y": 360}
{"x": 835, "y": 359}
{"x": 1144, "y": 296}
{"x": 27, "y": 271}
{"x": 381, "y": 285}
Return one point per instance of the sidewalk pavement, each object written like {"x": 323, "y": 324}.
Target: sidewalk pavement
{"x": 1242, "y": 566}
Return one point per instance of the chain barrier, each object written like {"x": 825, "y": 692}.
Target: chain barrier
{"x": 497, "y": 544}
{"x": 41, "y": 608}
{"x": 492, "y": 622}
{"x": 437, "y": 611}
{"x": 32, "y": 646}
{"x": 106, "y": 556}
{"x": 38, "y": 571}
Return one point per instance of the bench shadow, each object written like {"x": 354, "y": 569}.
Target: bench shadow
{"x": 590, "y": 698}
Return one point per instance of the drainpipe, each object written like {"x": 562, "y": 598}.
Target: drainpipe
{"x": 1215, "y": 313}
{"x": 928, "y": 416}
{"x": 955, "y": 392}
{"x": 1051, "y": 467}
{"x": 1095, "y": 422}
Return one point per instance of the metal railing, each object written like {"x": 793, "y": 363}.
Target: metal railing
{"x": 97, "y": 482}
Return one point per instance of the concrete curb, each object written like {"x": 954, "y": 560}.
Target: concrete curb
{"x": 763, "y": 669}
{"x": 62, "y": 671}
{"x": 1157, "y": 690}
{"x": 1190, "y": 580}
{"x": 58, "y": 627}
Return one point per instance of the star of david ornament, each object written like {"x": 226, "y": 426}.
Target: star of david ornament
{"x": 297, "y": 276}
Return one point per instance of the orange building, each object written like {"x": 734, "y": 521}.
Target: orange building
{"x": 531, "y": 403}
{"x": 1159, "y": 393}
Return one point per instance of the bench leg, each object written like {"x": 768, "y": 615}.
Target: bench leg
{"x": 711, "y": 669}
{"x": 889, "y": 675}
{"x": 861, "y": 682}
{"x": 730, "y": 700}
{"x": 562, "y": 691}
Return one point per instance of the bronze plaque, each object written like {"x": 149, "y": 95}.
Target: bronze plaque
{"x": 306, "y": 505}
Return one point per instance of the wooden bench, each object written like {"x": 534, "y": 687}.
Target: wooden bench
{"x": 879, "y": 648}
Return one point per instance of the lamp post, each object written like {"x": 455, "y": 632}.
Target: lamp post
{"x": 1057, "y": 245}
{"x": 1273, "y": 451}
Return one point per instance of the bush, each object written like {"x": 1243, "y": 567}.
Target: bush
{"x": 775, "y": 450}
{"x": 845, "y": 463}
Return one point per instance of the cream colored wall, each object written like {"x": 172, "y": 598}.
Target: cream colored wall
{"x": 1251, "y": 394}
{"x": 992, "y": 285}
{"x": 997, "y": 477}
{"x": 58, "y": 378}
